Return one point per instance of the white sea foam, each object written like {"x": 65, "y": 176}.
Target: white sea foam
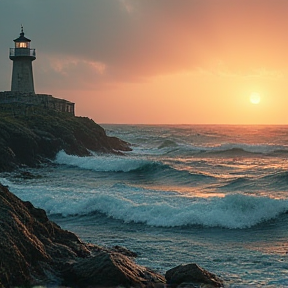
{"x": 101, "y": 163}
{"x": 154, "y": 208}
{"x": 5, "y": 182}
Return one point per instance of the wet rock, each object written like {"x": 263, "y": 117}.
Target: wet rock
{"x": 111, "y": 269}
{"x": 32, "y": 248}
{"x": 36, "y": 251}
{"x": 192, "y": 275}
{"x": 124, "y": 251}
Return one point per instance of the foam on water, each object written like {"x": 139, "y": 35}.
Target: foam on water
{"x": 102, "y": 163}
{"x": 182, "y": 177}
{"x": 154, "y": 208}
{"x": 129, "y": 163}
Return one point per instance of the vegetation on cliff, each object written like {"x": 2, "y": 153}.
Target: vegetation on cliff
{"x": 30, "y": 139}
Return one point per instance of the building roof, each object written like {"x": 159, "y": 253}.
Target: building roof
{"x": 22, "y": 38}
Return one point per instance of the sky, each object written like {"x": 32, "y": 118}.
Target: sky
{"x": 156, "y": 61}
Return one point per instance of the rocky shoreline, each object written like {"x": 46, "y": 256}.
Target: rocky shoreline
{"x": 35, "y": 138}
{"x": 35, "y": 250}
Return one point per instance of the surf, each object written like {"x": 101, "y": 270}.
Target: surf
{"x": 132, "y": 204}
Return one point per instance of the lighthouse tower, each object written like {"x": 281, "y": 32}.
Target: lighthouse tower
{"x": 22, "y": 57}
{"x": 22, "y": 99}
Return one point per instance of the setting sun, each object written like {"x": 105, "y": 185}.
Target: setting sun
{"x": 255, "y": 98}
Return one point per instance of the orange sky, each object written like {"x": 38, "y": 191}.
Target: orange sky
{"x": 156, "y": 62}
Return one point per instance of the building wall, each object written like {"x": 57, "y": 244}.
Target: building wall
{"x": 30, "y": 100}
{"x": 22, "y": 75}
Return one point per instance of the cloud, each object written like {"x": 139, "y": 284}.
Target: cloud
{"x": 64, "y": 66}
{"x": 127, "y": 5}
{"x": 61, "y": 71}
{"x": 132, "y": 41}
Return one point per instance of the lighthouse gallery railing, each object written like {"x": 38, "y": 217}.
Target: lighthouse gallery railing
{"x": 22, "y": 52}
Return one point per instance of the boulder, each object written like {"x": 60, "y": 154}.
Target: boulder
{"x": 32, "y": 248}
{"x": 111, "y": 269}
{"x": 36, "y": 251}
{"x": 192, "y": 275}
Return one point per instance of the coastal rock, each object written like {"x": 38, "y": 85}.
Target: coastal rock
{"x": 32, "y": 139}
{"x": 36, "y": 251}
{"x": 111, "y": 269}
{"x": 32, "y": 248}
{"x": 124, "y": 251}
{"x": 192, "y": 275}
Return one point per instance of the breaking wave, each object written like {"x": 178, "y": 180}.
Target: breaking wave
{"x": 115, "y": 163}
{"x": 155, "y": 208}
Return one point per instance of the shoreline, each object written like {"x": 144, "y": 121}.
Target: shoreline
{"x": 68, "y": 258}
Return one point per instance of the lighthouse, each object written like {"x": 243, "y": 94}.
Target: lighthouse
{"x": 22, "y": 99}
{"x": 22, "y": 56}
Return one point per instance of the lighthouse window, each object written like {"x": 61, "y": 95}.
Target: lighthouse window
{"x": 22, "y": 45}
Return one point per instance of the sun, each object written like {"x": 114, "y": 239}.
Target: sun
{"x": 255, "y": 98}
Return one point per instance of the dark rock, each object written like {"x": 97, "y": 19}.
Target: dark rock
{"x": 124, "y": 251}
{"x": 32, "y": 139}
{"x": 36, "y": 251}
{"x": 191, "y": 275}
{"x": 31, "y": 246}
{"x": 110, "y": 270}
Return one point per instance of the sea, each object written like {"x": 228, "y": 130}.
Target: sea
{"x": 215, "y": 195}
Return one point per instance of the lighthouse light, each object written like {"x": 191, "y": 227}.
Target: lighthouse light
{"x": 22, "y": 45}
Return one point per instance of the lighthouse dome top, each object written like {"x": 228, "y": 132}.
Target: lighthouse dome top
{"x": 22, "y": 38}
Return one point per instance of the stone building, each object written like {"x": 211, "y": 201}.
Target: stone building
{"x": 22, "y": 97}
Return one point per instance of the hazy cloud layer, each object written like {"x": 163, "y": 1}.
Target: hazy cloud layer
{"x": 156, "y": 61}
{"x": 131, "y": 40}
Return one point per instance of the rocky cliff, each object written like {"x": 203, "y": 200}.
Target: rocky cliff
{"x": 30, "y": 139}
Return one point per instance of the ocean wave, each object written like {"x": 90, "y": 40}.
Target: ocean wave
{"x": 237, "y": 183}
{"x": 232, "y": 211}
{"x": 134, "y": 166}
{"x": 283, "y": 175}
{"x": 252, "y": 148}
{"x": 236, "y": 149}
{"x": 231, "y": 152}
{"x": 277, "y": 180}
{"x": 279, "y": 152}
{"x": 155, "y": 208}
{"x": 167, "y": 144}
{"x": 103, "y": 163}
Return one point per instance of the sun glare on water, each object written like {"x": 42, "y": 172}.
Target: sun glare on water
{"x": 255, "y": 98}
